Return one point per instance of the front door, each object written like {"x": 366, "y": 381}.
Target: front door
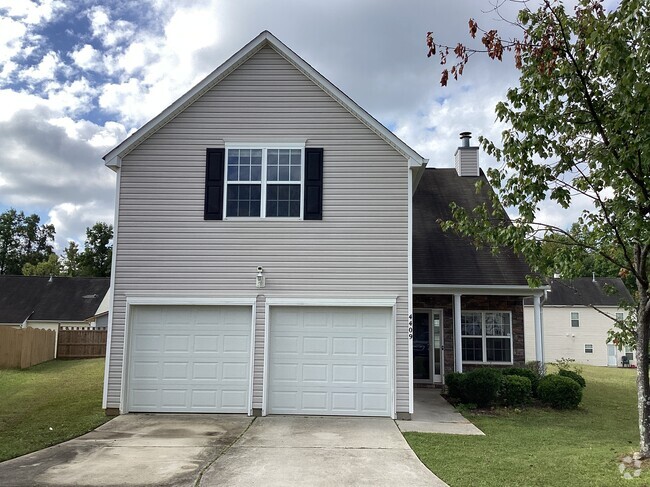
{"x": 427, "y": 346}
{"x": 611, "y": 355}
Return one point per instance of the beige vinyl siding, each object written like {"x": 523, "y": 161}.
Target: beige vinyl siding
{"x": 359, "y": 249}
{"x": 561, "y": 340}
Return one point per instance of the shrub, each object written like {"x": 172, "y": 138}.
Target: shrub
{"x": 481, "y": 386}
{"x": 531, "y": 375}
{"x": 455, "y": 384}
{"x": 573, "y": 375}
{"x": 515, "y": 390}
{"x": 559, "y": 392}
{"x": 568, "y": 364}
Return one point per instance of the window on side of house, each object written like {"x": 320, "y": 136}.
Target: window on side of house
{"x": 264, "y": 182}
{"x": 575, "y": 319}
{"x": 620, "y": 316}
{"x": 589, "y": 348}
{"x": 629, "y": 353}
{"x": 486, "y": 336}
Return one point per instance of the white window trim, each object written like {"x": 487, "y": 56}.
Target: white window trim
{"x": 576, "y": 319}
{"x": 485, "y": 338}
{"x": 263, "y": 183}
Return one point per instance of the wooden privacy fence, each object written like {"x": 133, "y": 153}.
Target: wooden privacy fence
{"x": 81, "y": 344}
{"x": 24, "y": 347}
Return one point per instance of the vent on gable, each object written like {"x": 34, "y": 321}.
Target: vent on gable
{"x": 466, "y": 157}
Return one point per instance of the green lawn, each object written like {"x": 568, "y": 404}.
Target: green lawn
{"x": 545, "y": 447}
{"x": 49, "y": 403}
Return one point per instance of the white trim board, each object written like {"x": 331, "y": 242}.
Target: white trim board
{"x": 358, "y": 303}
{"x": 113, "y": 158}
{"x": 496, "y": 290}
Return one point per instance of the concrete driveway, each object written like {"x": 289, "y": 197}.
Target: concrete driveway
{"x": 226, "y": 450}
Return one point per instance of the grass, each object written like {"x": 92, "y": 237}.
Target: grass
{"x": 49, "y": 403}
{"x": 543, "y": 447}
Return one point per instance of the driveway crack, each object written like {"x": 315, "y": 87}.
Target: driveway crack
{"x": 200, "y": 475}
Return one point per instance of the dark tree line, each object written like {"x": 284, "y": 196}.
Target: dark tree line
{"x": 26, "y": 247}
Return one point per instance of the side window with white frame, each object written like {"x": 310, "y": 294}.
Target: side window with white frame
{"x": 620, "y": 316}
{"x": 486, "y": 336}
{"x": 589, "y": 348}
{"x": 264, "y": 182}
{"x": 575, "y": 319}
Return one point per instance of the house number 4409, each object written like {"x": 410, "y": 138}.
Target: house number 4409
{"x": 410, "y": 327}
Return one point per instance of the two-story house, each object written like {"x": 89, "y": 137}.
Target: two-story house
{"x": 276, "y": 251}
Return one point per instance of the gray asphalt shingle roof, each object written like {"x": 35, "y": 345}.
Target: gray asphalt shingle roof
{"x": 584, "y": 291}
{"x": 62, "y": 299}
{"x": 445, "y": 257}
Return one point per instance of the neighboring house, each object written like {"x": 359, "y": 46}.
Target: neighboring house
{"x": 100, "y": 318}
{"x": 578, "y": 313}
{"x": 50, "y": 302}
{"x": 269, "y": 254}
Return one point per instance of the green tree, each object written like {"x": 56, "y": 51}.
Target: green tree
{"x": 71, "y": 259}
{"x": 577, "y": 124}
{"x": 23, "y": 240}
{"x": 98, "y": 251}
{"x": 49, "y": 267}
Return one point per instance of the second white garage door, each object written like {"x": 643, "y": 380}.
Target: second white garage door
{"x": 189, "y": 359}
{"x": 331, "y": 361}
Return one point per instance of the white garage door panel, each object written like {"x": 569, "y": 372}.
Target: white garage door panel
{"x": 330, "y": 361}
{"x": 189, "y": 359}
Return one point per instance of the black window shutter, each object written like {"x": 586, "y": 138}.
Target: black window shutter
{"x": 214, "y": 171}
{"x": 313, "y": 184}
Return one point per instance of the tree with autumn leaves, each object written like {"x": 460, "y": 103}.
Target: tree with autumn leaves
{"x": 578, "y": 124}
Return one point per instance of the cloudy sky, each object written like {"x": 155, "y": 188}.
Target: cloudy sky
{"x": 76, "y": 77}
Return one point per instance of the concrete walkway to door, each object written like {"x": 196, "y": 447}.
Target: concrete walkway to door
{"x": 320, "y": 451}
{"x": 433, "y": 414}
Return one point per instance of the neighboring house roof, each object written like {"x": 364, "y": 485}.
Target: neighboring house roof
{"x": 45, "y": 298}
{"x": 264, "y": 39}
{"x": 585, "y": 291}
{"x": 445, "y": 257}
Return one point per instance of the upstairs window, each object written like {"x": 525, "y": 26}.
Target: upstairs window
{"x": 575, "y": 319}
{"x": 264, "y": 182}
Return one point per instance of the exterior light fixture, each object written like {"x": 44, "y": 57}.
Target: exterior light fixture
{"x": 260, "y": 280}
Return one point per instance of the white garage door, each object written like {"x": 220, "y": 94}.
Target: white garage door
{"x": 189, "y": 359}
{"x": 330, "y": 361}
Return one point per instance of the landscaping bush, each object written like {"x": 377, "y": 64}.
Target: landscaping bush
{"x": 455, "y": 384}
{"x": 573, "y": 375}
{"x": 481, "y": 386}
{"x": 515, "y": 390}
{"x": 531, "y": 375}
{"x": 559, "y": 392}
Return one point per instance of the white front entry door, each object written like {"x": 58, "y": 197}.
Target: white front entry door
{"x": 611, "y": 355}
{"x": 327, "y": 360}
{"x": 189, "y": 359}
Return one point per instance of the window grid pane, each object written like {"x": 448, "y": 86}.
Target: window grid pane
{"x": 283, "y": 200}
{"x": 243, "y": 200}
{"x": 245, "y": 165}
{"x": 283, "y": 164}
{"x": 472, "y": 349}
{"x": 498, "y": 349}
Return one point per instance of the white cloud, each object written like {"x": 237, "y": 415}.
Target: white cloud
{"x": 109, "y": 31}
{"x": 11, "y": 34}
{"x": 71, "y": 219}
{"x": 46, "y": 68}
{"x": 32, "y": 12}
{"x": 87, "y": 58}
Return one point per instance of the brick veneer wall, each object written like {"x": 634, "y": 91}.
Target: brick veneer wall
{"x": 514, "y": 304}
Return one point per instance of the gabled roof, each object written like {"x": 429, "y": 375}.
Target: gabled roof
{"x": 585, "y": 291}
{"x": 264, "y": 39}
{"x": 44, "y": 298}
{"x": 441, "y": 257}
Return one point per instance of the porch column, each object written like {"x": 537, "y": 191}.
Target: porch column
{"x": 458, "y": 344}
{"x": 539, "y": 336}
